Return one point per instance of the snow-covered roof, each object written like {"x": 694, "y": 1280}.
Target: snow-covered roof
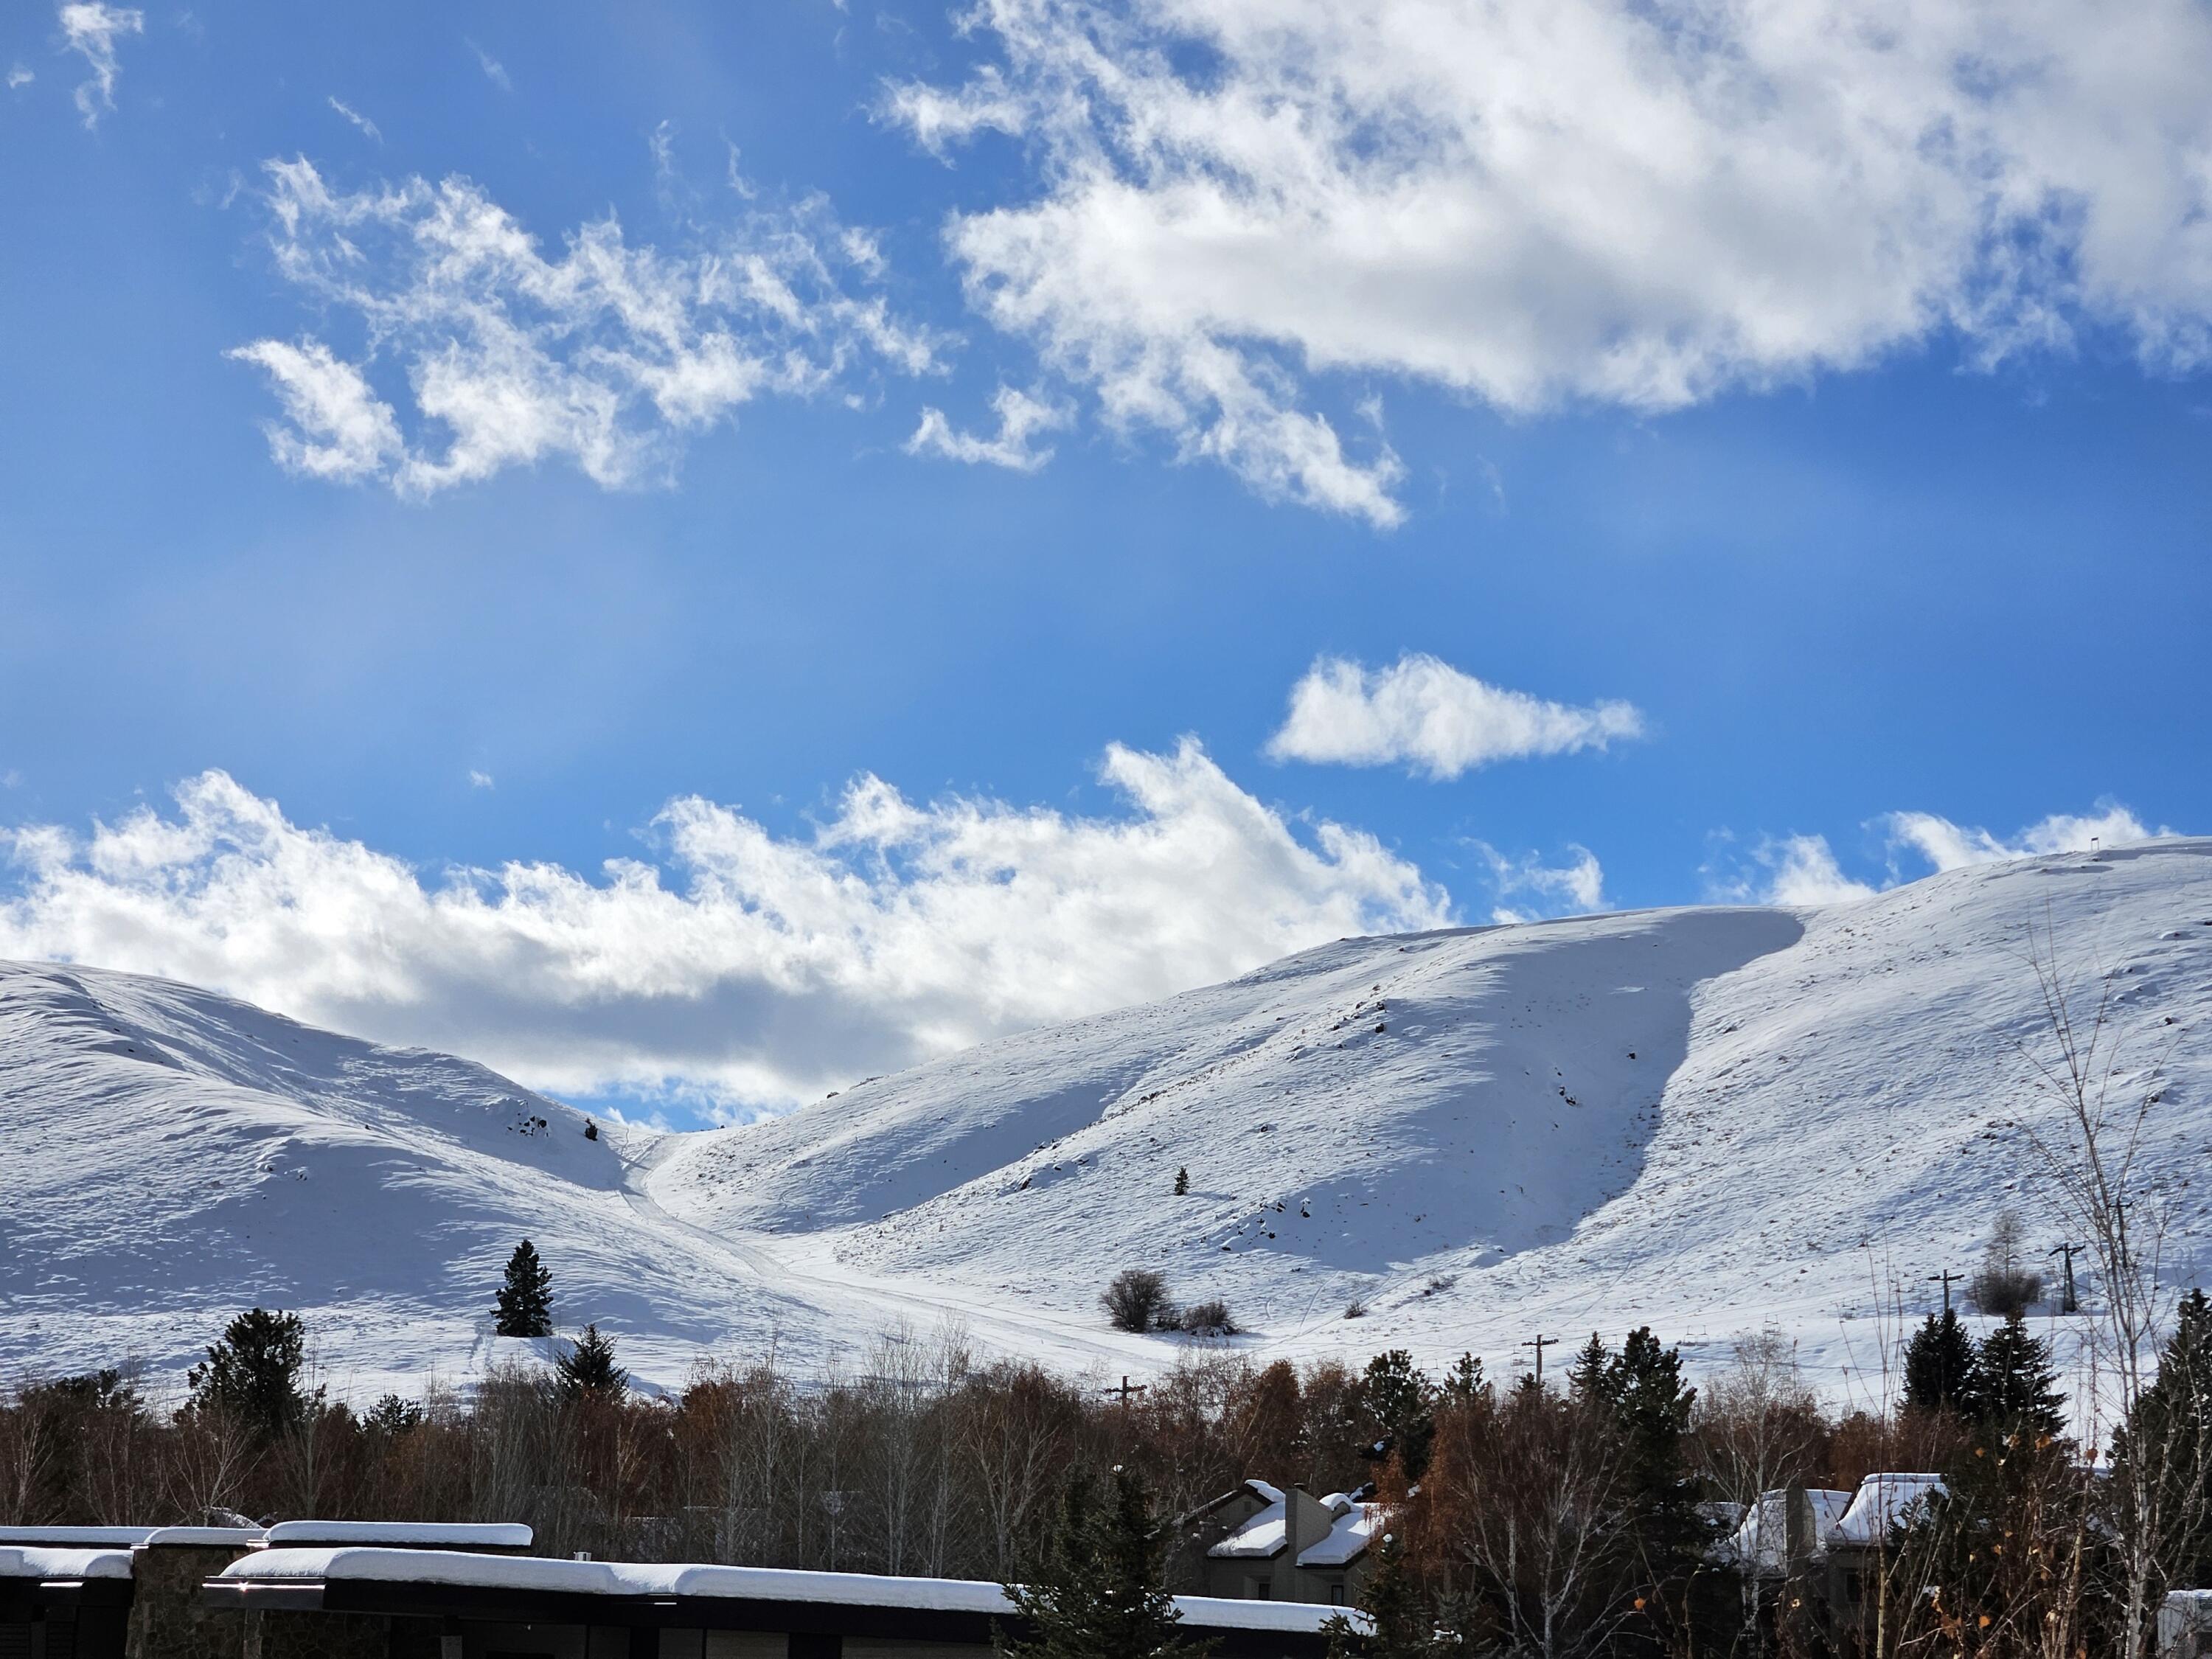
{"x": 74, "y": 1537}
{"x": 1880, "y": 1506}
{"x": 204, "y": 1537}
{"x": 1761, "y": 1541}
{"x": 46, "y": 1565}
{"x": 1260, "y": 1535}
{"x": 1353, "y": 1529}
{"x": 419, "y": 1535}
{"x": 663, "y": 1579}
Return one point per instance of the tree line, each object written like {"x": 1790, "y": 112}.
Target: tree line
{"x": 1575, "y": 1518}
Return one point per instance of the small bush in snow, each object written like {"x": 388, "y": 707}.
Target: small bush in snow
{"x": 1355, "y": 1309}
{"x": 1209, "y": 1319}
{"x": 1137, "y": 1300}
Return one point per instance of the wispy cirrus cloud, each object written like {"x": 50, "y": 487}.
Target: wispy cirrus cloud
{"x": 494, "y": 70}
{"x": 748, "y": 967}
{"x": 606, "y": 354}
{"x": 361, "y": 123}
{"x": 1023, "y": 418}
{"x": 1243, "y": 211}
{"x": 91, "y": 29}
{"x": 1423, "y": 714}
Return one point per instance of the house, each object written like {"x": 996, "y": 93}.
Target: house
{"x": 2185, "y": 1625}
{"x": 1268, "y": 1543}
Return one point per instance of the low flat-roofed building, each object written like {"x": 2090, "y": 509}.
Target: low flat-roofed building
{"x": 365, "y": 1603}
{"x": 59, "y": 1602}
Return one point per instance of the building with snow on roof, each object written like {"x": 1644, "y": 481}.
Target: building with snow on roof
{"x": 1268, "y": 1543}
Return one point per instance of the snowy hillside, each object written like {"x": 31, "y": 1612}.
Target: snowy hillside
{"x": 1704, "y": 1119}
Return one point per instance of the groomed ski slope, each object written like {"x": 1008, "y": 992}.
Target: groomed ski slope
{"x": 1708, "y": 1119}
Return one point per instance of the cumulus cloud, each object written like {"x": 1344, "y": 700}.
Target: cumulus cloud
{"x": 480, "y": 779}
{"x": 1240, "y": 205}
{"x": 1574, "y": 889}
{"x": 18, "y": 75}
{"x": 1022, "y": 418}
{"x": 606, "y": 355}
{"x": 1804, "y": 869}
{"x": 738, "y": 964}
{"x": 91, "y": 29}
{"x": 1434, "y": 719}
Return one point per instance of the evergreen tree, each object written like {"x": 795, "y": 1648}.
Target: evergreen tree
{"x": 1400, "y": 1403}
{"x": 1182, "y": 1182}
{"x": 589, "y": 1368}
{"x": 2162, "y": 1457}
{"x": 1100, "y": 1592}
{"x": 252, "y": 1373}
{"x": 1939, "y": 1362}
{"x": 2010, "y": 1385}
{"x": 1464, "y": 1382}
{"x": 392, "y": 1416}
{"x": 1642, "y": 1387}
{"x": 1588, "y": 1378}
{"x": 525, "y": 1304}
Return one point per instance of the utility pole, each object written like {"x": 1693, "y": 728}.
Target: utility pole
{"x": 2071, "y": 1303}
{"x": 1126, "y": 1388}
{"x": 1949, "y": 1280}
{"x": 1541, "y": 1343}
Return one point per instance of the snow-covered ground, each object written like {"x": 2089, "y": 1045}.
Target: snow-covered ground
{"x": 1707, "y": 1119}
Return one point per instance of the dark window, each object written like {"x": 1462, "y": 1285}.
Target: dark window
{"x": 1336, "y": 1596}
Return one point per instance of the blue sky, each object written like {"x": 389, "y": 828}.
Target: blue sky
{"x": 1872, "y": 483}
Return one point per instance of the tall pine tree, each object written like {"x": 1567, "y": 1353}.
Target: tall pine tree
{"x": 252, "y": 1374}
{"x": 525, "y": 1304}
{"x": 1100, "y": 1592}
{"x": 589, "y": 1369}
{"x": 1939, "y": 1364}
{"x": 2011, "y": 1387}
{"x": 2162, "y": 1459}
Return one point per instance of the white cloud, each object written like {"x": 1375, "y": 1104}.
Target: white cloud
{"x": 1022, "y": 417}
{"x": 1434, "y": 718}
{"x": 745, "y": 965}
{"x": 353, "y": 115}
{"x": 607, "y": 356}
{"x": 1238, "y": 204}
{"x": 335, "y": 426}
{"x": 1576, "y": 888}
{"x": 91, "y": 29}
{"x": 479, "y": 780}
{"x": 1804, "y": 869}
{"x": 495, "y": 71}
{"x": 1948, "y": 846}
{"x": 18, "y": 75}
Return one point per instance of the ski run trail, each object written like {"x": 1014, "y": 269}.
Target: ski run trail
{"x": 1712, "y": 1120}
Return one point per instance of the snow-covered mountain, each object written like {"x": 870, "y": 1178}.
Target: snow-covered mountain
{"x": 1705, "y": 1119}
